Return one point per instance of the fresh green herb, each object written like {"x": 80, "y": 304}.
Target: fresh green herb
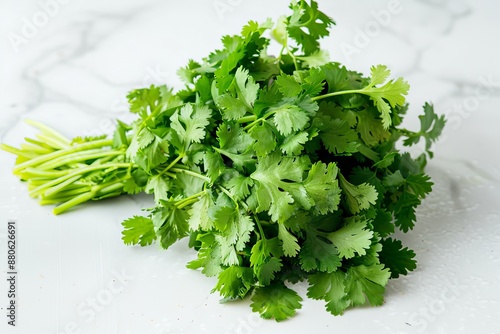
{"x": 278, "y": 169}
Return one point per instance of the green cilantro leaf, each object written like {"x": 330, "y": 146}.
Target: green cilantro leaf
{"x": 143, "y": 101}
{"x": 404, "y": 211}
{"x": 307, "y": 25}
{"x": 171, "y": 223}
{"x": 278, "y": 180}
{"x": 336, "y": 135}
{"x": 319, "y": 254}
{"x": 399, "y": 260}
{"x": 288, "y": 118}
{"x": 275, "y": 301}
{"x": 199, "y": 213}
{"x": 138, "y": 230}
{"x": 241, "y": 96}
{"x": 370, "y": 128}
{"x": 367, "y": 282}
{"x": 353, "y": 238}
{"x": 288, "y": 86}
{"x": 158, "y": 186}
{"x": 234, "y": 282}
{"x": 246, "y": 87}
{"x": 265, "y": 259}
{"x": 209, "y": 256}
{"x": 213, "y": 164}
{"x": 239, "y": 186}
{"x": 190, "y": 122}
{"x": 131, "y": 187}
{"x": 293, "y": 145}
{"x": 289, "y": 241}
{"x": 188, "y": 73}
{"x": 313, "y": 81}
{"x": 265, "y": 140}
{"x": 232, "y": 138}
{"x": 392, "y": 91}
{"x": 330, "y": 287}
{"x": 431, "y": 126}
{"x": 316, "y": 59}
{"x": 382, "y": 223}
{"x": 358, "y": 197}
{"x": 322, "y": 187}
{"x": 420, "y": 184}
{"x": 395, "y": 179}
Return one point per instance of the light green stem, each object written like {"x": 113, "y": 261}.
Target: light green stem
{"x": 51, "y": 132}
{"x": 172, "y": 164}
{"x": 189, "y": 172}
{"x": 342, "y": 92}
{"x": 35, "y": 192}
{"x": 78, "y": 156}
{"x": 85, "y": 197}
{"x": 72, "y": 149}
{"x": 189, "y": 200}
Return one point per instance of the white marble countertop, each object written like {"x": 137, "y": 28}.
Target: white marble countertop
{"x": 72, "y": 71}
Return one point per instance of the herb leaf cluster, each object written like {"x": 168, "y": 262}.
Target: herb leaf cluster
{"x": 278, "y": 169}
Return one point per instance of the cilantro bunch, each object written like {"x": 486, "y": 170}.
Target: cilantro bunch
{"x": 279, "y": 169}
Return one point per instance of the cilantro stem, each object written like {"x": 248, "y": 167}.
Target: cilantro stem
{"x": 36, "y": 149}
{"x": 368, "y": 152}
{"x": 61, "y": 186}
{"x": 192, "y": 201}
{"x": 246, "y": 119}
{"x": 17, "y": 152}
{"x": 342, "y": 92}
{"x": 189, "y": 200}
{"x": 108, "y": 188}
{"x": 68, "y": 193}
{"x": 53, "y": 142}
{"x": 157, "y": 111}
{"x": 50, "y": 201}
{"x": 290, "y": 53}
{"x": 258, "y": 120}
{"x": 85, "y": 197}
{"x": 49, "y": 131}
{"x": 189, "y": 172}
{"x": 78, "y": 156}
{"x": 43, "y": 173}
{"x": 80, "y": 171}
{"x": 172, "y": 164}
{"x": 38, "y": 143}
{"x": 261, "y": 230}
{"x": 72, "y": 149}
{"x": 281, "y": 51}
{"x": 254, "y": 123}
{"x": 171, "y": 175}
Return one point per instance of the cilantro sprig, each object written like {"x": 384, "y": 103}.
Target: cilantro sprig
{"x": 278, "y": 169}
